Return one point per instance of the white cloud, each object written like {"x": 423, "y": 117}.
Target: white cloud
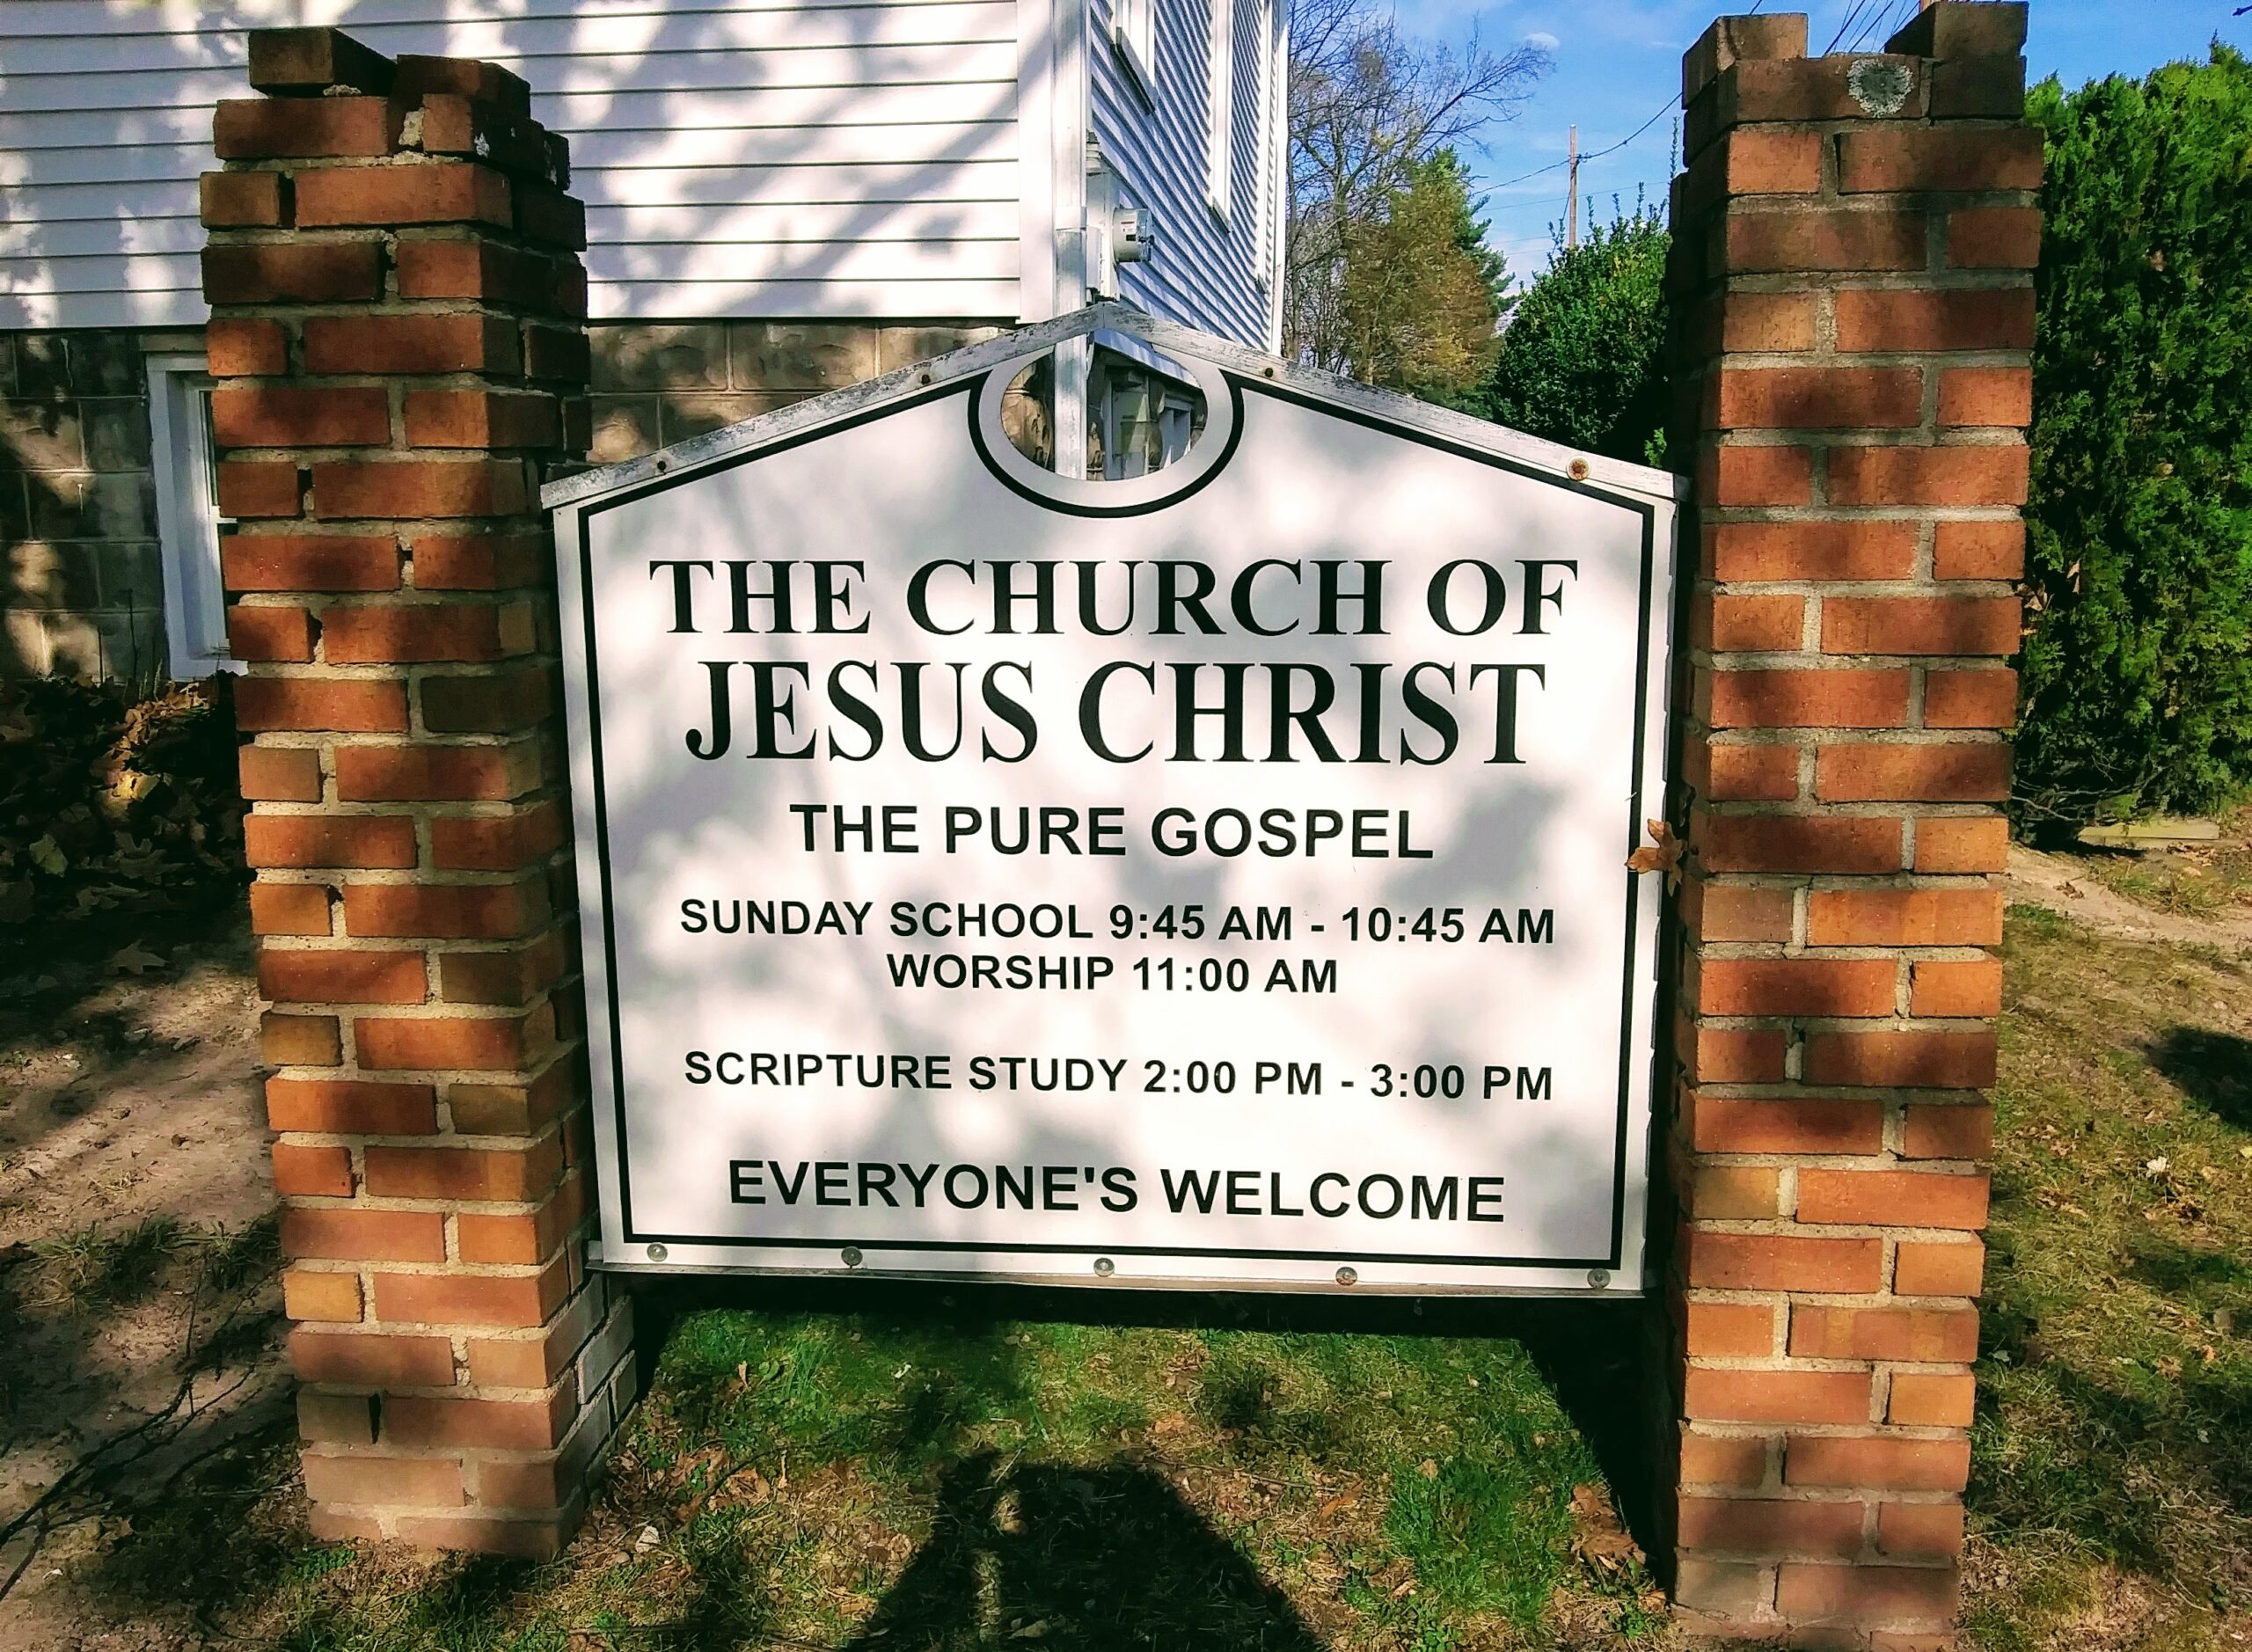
{"x": 1545, "y": 40}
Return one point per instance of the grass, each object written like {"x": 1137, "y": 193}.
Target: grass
{"x": 2112, "y": 1455}
{"x": 935, "y": 1470}
{"x": 2197, "y": 880}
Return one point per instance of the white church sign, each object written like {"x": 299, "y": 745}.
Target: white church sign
{"x": 1217, "y": 876}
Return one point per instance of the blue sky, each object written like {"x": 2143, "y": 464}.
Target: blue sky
{"x": 1618, "y": 62}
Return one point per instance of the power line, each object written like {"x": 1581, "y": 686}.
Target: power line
{"x": 1668, "y": 108}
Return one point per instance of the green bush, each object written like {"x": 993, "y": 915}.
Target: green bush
{"x": 108, "y": 804}
{"x": 2138, "y": 670}
{"x": 1582, "y": 358}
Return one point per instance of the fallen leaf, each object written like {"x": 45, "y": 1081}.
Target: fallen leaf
{"x": 1337, "y": 1505}
{"x": 1598, "y": 1539}
{"x": 1428, "y": 1469}
{"x": 47, "y": 855}
{"x": 1030, "y": 1631}
{"x": 645, "y": 1540}
{"x": 1172, "y": 1423}
{"x": 134, "y": 958}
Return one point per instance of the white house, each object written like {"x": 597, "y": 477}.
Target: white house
{"x": 783, "y": 195}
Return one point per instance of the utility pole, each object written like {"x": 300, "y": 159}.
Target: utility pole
{"x": 1572, "y": 201}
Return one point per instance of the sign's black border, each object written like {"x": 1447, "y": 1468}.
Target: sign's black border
{"x": 1238, "y": 385}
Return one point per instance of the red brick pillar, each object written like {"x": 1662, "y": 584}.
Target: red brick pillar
{"x": 397, "y": 331}
{"x": 1854, "y": 242}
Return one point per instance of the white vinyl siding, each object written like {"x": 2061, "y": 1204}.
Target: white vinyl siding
{"x": 736, "y": 156}
{"x": 1204, "y": 270}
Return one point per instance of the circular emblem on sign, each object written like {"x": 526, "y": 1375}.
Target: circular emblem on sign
{"x": 1131, "y": 496}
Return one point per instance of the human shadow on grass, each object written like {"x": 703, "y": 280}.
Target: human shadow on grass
{"x": 1099, "y": 1558}
{"x": 2214, "y": 1070}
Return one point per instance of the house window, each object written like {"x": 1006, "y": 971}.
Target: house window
{"x": 1219, "y": 106}
{"x": 188, "y": 516}
{"x": 1134, "y": 29}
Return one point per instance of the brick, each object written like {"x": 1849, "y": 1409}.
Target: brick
{"x": 349, "y": 1235}
{"x": 260, "y": 487}
{"x": 1814, "y": 88}
{"x": 1919, "y": 1531}
{"x": 332, "y": 1357}
{"x": 1942, "y": 988}
{"x": 288, "y": 908}
{"x": 1723, "y": 1588}
{"x": 1818, "y": 397}
{"x": 481, "y": 419}
{"x": 1755, "y": 322}
{"x": 455, "y": 774}
{"x": 1872, "y": 319}
{"x": 1984, "y": 474}
{"x": 1728, "y": 40}
{"x": 1813, "y": 551}
{"x": 329, "y": 840}
{"x": 1770, "y": 1261}
{"x": 310, "y": 562}
{"x": 1925, "y": 1268}
{"x": 1978, "y": 551}
{"x": 1740, "y": 912}
{"x": 419, "y": 633}
{"x": 352, "y": 488}
{"x": 477, "y": 1175}
{"x": 315, "y": 60}
{"x": 472, "y": 1299}
{"x": 1738, "y": 843}
{"x": 517, "y": 1539}
{"x": 1993, "y": 237}
{"x": 1795, "y": 986}
{"x": 1963, "y": 773}
{"x": 293, "y": 272}
{"x": 467, "y": 912}
{"x": 478, "y": 561}
{"x": 1921, "y": 624}
{"x": 513, "y": 976}
{"x": 281, "y": 416}
{"x": 1956, "y": 31}
{"x": 1741, "y": 475}
{"x": 1894, "y": 1198}
{"x": 1753, "y": 243}
{"x": 1750, "y": 774}
{"x": 1936, "y": 158}
{"x": 276, "y": 634}
{"x": 1905, "y": 917}
{"x": 489, "y": 702}
{"x": 1961, "y": 844}
{"x": 1961, "y": 1131}
{"x": 1986, "y": 395}
{"x": 468, "y": 343}
{"x": 294, "y": 128}
{"x": 1775, "y": 1396}
{"x": 1732, "y": 1192}
{"x": 1770, "y": 1526}
{"x": 1945, "y": 1336}
{"x": 1807, "y": 700}
{"x": 239, "y": 201}
{"x": 427, "y": 1482}
{"x": 1889, "y": 1464}
{"x": 1730, "y": 1330}
{"x": 1721, "y": 1124}
{"x": 439, "y": 192}
{"x": 311, "y": 1171}
{"x": 1933, "y": 1399}
{"x": 327, "y": 1297}
{"x": 1773, "y": 162}
{"x": 236, "y": 349}
{"x": 1728, "y": 622}
{"x": 1813, "y": 1595}
{"x": 536, "y": 1361}
{"x": 556, "y": 353}
{"x": 299, "y": 1041}
{"x": 324, "y": 976}
{"x": 1932, "y": 1061}
{"x": 1715, "y": 1055}
{"x": 480, "y": 1043}
{"x": 497, "y": 843}
{"x": 351, "y": 705}
{"x": 422, "y": 77}
{"x": 474, "y": 267}
{"x": 351, "y": 1106}
{"x": 521, "y": 1239}
{"x": 1971, "y": 699}
{"x": 1719, "y": 1459}
{"x": 336, "y": 1419}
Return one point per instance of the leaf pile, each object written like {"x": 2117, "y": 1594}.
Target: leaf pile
{"x": 110, "y": 805}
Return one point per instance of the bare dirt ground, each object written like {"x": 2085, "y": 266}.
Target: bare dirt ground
{"x": 139, "y": 1320}
{"x": 2075, "y": 886}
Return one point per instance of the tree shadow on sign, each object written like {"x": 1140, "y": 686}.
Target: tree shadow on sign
{"x": 1095, "y": 1558}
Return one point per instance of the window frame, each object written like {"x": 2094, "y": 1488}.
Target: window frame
{"x": 1134, "y": 35}
{"x": 186, "y": 466}
{"x": 1220, "y": 110}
